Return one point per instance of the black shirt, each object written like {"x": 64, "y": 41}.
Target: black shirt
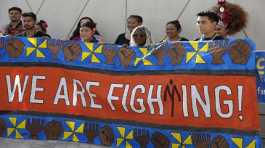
{"x": 183, "y": 39}
{"x": 121, "y": 40}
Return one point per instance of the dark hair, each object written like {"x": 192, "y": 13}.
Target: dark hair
{"x": 43, "y": 25}
{"x": 30, "y": 14}
{"x": 76, "y": 33}
{"x": 138, "y": 18}
{"x": 90, "y": 25}
{"x": 211, "y": 15}
{"x": 15, "y": 8}
{"x": 176, "y": 24}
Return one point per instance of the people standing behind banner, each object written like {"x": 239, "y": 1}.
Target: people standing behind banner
{"x": 207, "y": 23}
{"x": 76, "y": 33}
{"x": 132, "y": 22}
{"x": 15, "y": 26}
{"x": 87, "y": 32}
{"x": 173, "y": 29}
{"x": 29, "y": 21}
{"x": 42, "y": 26}
{"x": 141, "y": 36}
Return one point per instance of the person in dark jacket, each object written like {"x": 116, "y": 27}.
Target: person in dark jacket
{"x": 132, "y": 22}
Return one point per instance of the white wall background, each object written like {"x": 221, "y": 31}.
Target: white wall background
{"x": 110, "y": 15}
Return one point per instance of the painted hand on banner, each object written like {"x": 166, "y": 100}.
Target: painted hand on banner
{"x": 14, "y": 47}
{"x": 109, "y": 54}
{"x": 142, "y": 137}
{"x": 126, "y": 56}
{"x": 159, "y": 140}
{"x": 176, "y": 53}
{"x": 2, "y": 127}
{"x": 91, "y": 131}
{"x": 53, "y": 130}
{"x": 72, "y": 51}
{"x": 218, "y": 55}
{"x": 54, "y": 46}
{"x": 159, "y": 53}
{"x": 239, "y": 52}
{"x": 218, "y": 142}
{"x": 34, "y": 126}
{"x": 106, "y": 135}
{"x": 201, "y": 141}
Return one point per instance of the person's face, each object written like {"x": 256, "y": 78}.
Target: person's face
{"x": 205, "y": 25}
{"x": 86, "y": 33}
{"x": 171, "y": 31}
{"x": 14, "y": 15}
{"x": 28, "y": 23}
{"x": 132, "y": 23}
{"x": 38, "y": 28}
{"x": 140, "y": 37}
{"x": 83, "y": 21}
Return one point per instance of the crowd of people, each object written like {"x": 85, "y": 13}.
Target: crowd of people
{"x": 26, "y": 24}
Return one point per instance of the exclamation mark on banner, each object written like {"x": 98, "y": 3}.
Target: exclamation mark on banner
{"x": 239, "y": 95}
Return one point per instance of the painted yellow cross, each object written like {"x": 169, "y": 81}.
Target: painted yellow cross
{"x": 16, "y": 127}
{"x": 239, "y": 143}
{"x": 74, "y": 131}
{"x": 143, "y": 59}
{"x": 124, "y": 137}
{"x": 196, "y": 53}
{"x": 36, "y": 47}
{"x": 180, "y": 143}
{"x": 92, "y": 52}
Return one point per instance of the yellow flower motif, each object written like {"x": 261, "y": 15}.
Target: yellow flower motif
{"x": 124, "y": 137}
{"x": 239, "y": 143}
{"x": 92, "y": 51}
{"x": 196, "y": 53}
{"x": 16, "y": 127}
{"x": 36, "y": 47}
{"x": 181, "y": 142}
{"x": 74, "y": 131}
{"x": 143, "y": 59}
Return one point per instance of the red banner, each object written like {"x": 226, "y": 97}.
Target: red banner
{"x": 207, "y": 101}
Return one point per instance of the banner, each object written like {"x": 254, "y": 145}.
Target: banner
{"x": 260, "y": 63}
{"x": 168, "y": 99}
{"x": 233, "y": 55}
{"x": 119, "y": 135}
{"x": 185, "y": 93}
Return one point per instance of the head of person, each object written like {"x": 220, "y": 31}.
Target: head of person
{"x": 14, "y": 14}
{"x": 207, "y": 22}
{"x": 140, "y": 36}
{"x": 41, "y": 26}
{"x": 87, "y": 30}
{"x": 29, "y": 20}
{"x": 84, "y": 20}
{"x": 173, "y": 29}
{"x": 134, "y": 21}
